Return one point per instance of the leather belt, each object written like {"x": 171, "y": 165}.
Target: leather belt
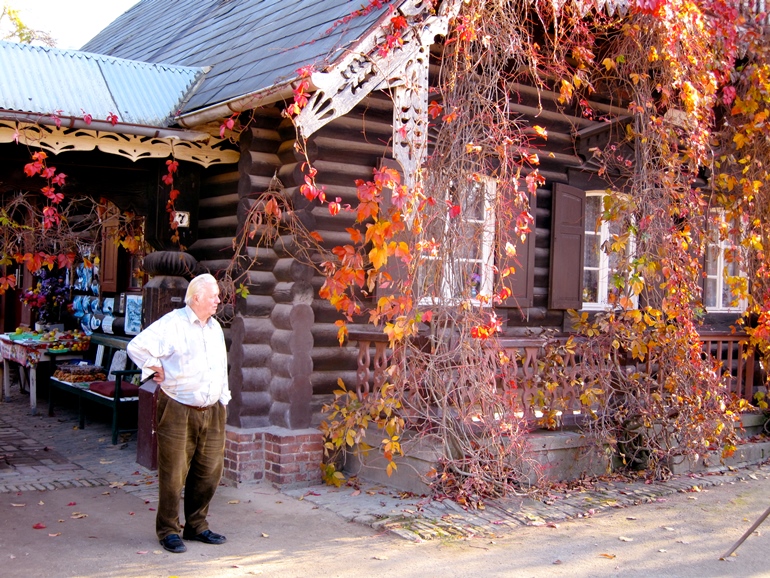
{"x": 197, "y": 408}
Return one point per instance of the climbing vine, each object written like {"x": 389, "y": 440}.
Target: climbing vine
{"x": 687, "y": 84}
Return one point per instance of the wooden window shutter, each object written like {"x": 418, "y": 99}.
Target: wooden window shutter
{"x": 522, "y": 282}
{"x": 567, "y": 239}
{"x": 395, "y": 267}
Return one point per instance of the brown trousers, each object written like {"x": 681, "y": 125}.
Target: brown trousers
{"x": 191, "y": 447}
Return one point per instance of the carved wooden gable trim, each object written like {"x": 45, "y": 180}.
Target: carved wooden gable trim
{"x": 403, "y": 68}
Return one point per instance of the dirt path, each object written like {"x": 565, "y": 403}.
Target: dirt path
{"x": 272, "y": 534}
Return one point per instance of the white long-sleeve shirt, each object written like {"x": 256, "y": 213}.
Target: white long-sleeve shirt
{"x": 193, "y": 357}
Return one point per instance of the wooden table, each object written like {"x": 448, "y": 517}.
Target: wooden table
{"x": 27, "y": 353}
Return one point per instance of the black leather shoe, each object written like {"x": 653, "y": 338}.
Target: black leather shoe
{"x": 173, "y": 543}
{"x": 207, "y": 537}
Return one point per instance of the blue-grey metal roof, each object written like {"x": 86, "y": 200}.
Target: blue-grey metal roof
{"x": 42, "y": 80}
{"x": 250, "y": 44}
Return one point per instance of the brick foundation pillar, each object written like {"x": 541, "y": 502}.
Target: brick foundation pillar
{"x": 281, "y": 456}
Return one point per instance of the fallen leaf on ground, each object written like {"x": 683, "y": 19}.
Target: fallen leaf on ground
{"x": 379, "y": 557}
{"x": 265, "y": 535}
{"x": 72, "y": 504}
{"x": 41, "y": 503}
{"x": 624, "y": 539}
{"x": 234, "y": 502}
{"x": 78, "y": 515}
{"x": 552, "y": 525}
{"x": 669, "y": 528}
{"x": 18, "y": 505}
{"x": 54, "y": 535}
{"x": 117, "y": 484}
{"x": 608, "y": 556}
{"x": 355, "y": 492}
{"x": 662, "y": 550}
{"x": 557, "y": 561}
{"x": 39, "y": 526}
{"x": 142, "y": 552}
{"x": 630, "y": 517}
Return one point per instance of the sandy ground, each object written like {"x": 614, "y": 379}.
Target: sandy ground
{"x": 100, "y": 532}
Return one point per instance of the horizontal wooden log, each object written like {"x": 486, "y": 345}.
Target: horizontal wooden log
{"x": 325, "y": 312}
{"x": 257, "y": 330}
{"x": 251, "y": 184}
{"x": 325, "y": 382}
{"x": 218, "y": 226}
{"x": 325, "y": 335}
{"x": 219, "y": 206}
{"x": 214, "y": 248}
{"x": 256, "y": 354}
{"x": 293, "y": 292}
{"x": 260, "y": 282}
{"x": 288, "y": 269}
{"x": 256, "y": 403}
{"x": 334, "y": 358}
{"x": 223, "y": 178}
{"x": 263, "y": 256}
{"x": 265, "y": 126}
{"x": 339, "y": 173}
{"x": 214, "y": 266}
{"x": 256, "y": 378}
{"x": 256, "y": 306}
{"x": 258, "y": 163}
{"x": 372, "y": 127}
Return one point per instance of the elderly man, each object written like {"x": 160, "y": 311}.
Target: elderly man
{"x": 185, "y": 349}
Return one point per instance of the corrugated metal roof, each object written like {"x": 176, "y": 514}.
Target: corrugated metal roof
{"x": 42, "y": 80}
{"x": 250, "y": 44}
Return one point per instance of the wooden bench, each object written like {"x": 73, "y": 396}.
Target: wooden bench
{"x": 109, "y": 393}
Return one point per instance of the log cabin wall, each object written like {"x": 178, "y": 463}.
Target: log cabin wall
{"x": 347, "y": 149}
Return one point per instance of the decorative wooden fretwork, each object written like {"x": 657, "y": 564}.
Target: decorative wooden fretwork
{"x": 403, "y": 68}
{"x": 59, "y": 140}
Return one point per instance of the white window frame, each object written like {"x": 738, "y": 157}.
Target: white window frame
{"x": 487, "y": 253}
{"x": 603, "y": 269}
{"x": 721, "y": 273}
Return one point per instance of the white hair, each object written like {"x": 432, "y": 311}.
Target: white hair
{"x": 196, "y": 286}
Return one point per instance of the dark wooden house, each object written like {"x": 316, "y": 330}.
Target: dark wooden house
{"x": 364, "y": 107}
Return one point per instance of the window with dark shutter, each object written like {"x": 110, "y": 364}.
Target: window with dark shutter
{"x": 567, "y": 238}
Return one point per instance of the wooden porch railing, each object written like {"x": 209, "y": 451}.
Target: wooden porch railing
{"x": 737, "y": 367}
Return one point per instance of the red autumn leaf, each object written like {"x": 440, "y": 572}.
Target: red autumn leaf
{"x": 167, "y": 179}
{"x": 398, "y": 22}
{"x": 72, "y": 504}
{"x": 86, "y": 117}
{"x": 173, "y": 195}
{"x": 48, "y": 172}
{"x": 39, "y": 526}
{"x": 355, "y": 235}
{"x": 454, "y": 210}
{"x": 31, "y": 169}
{"x": 435, "y": 109}
{"x": 59, "y": 179}
{"x": 334, "y": 208}
{"x": 113, "y": 118}
{"x": 39, "y": 156}
{"x": 172, "y": 166}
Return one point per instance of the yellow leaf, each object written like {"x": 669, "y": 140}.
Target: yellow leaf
{"x": 608, "y": 63}
{"x": 378, "y": 256}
